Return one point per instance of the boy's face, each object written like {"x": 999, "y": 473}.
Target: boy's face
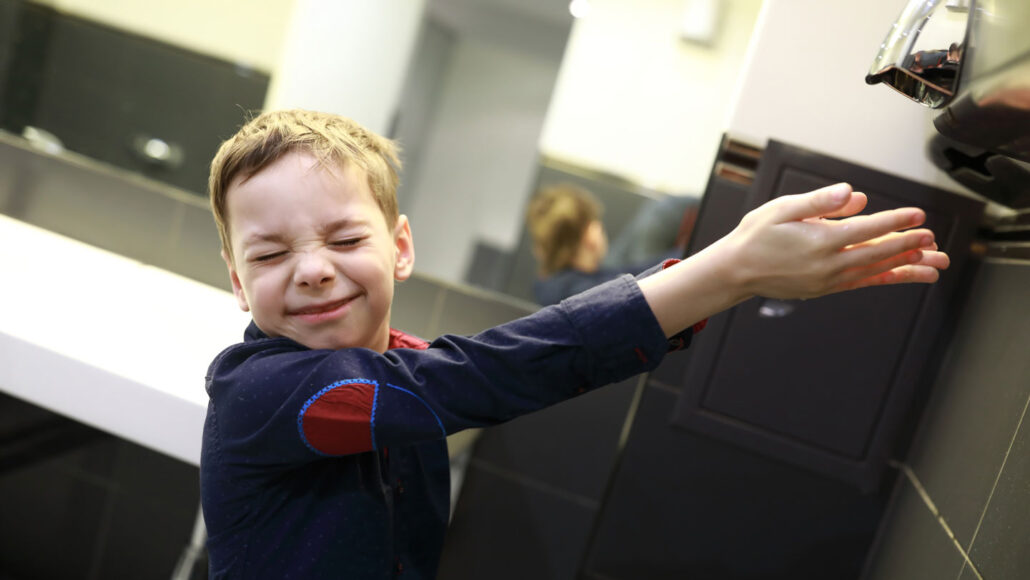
{"x": 314, "y": 258}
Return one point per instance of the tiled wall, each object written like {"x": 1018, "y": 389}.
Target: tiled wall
{"x": 89, "y": 506}
{"x": 960, "y": 511}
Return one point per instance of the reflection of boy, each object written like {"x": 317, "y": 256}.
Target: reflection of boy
{"x": 570, "y": 242}
{"x": 323, "y": 451}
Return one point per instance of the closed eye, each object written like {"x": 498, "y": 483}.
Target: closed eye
{"x": 268, "y": 257}
{"x": 347, "y": 242}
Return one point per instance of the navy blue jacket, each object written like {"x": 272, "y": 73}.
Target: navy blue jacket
{"x": 333, "y": 464}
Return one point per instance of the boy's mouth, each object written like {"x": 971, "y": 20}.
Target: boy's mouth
{"x": 324, "y": 311}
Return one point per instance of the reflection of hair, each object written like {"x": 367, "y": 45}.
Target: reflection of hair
{"x": 333, "y": 140}
{"x": 558, "y": 218}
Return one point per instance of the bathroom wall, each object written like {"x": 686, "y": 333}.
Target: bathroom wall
{"x": 804, "y": 83}
{"x": 636, "y": 99}
{"x": 959, "y": 508}
{"x": 960, "y": 493}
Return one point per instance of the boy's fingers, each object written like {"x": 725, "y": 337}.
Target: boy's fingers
{"x": 938, "y": 260}
{"x": 912, "y": 273}
{"x": 884, "y": 247}
{"x": 875, "y": 269}
{"x": 913, "y": 266}
{"x": 863, "y": 228}
{"x": 818, "y": 203}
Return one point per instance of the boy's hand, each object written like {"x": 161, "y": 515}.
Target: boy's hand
{"x": 795, "y": 247}
{"x": 789, "y": 248}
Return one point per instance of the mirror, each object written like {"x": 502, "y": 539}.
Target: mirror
{"x": 115, "y": 84}
{"x": 921, "y": 57}
{"x": 503, "y": 96}
{"x": 631, "y": 107}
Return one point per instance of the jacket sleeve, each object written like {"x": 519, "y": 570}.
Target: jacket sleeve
{"x": 300, "y": 404}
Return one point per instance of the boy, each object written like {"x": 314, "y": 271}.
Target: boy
{"x": 570, "y": 243}
{"x": 324, "y": 452}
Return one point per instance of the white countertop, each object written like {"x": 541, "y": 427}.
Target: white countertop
{"x": 109, "y": 341}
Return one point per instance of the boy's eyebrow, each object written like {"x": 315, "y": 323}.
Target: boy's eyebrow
{"x": 260, "y": 237}
{"x": 340, "y": 224}
{"x": 324, "y": 229}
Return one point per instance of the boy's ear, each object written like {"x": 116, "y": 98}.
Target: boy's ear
{"x": 237, "y": 288}
{"x": 404, "y": 246}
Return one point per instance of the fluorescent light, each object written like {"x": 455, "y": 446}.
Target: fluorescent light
{"x": 579, "y": 8}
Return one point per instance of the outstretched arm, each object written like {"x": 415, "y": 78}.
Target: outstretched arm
{"x": 792, "y": 248}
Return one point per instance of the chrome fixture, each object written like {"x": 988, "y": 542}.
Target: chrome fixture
{"x": 922, "y": 55}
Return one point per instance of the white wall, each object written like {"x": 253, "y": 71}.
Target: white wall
{"x": 804, "y": 83}
{"x": 250, "y": 33}
{"x": 635, "y": 100}
{"x": 348, "y": 58}
{"x": 478, "y": 163}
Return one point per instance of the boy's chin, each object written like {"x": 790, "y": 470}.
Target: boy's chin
{"x": 336, "y": 342}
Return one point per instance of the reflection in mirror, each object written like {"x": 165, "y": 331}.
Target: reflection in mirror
{"x": 116, "y": 95}
{"x": 632, "y": 107}
{"x": 922, "y": 54}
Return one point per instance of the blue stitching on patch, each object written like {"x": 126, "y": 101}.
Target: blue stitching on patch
{"x": 316, "y": 396}
{"x": 430, "y": 409}
{"x": 372, "y": 421}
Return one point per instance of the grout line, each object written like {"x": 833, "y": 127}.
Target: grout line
{"x": 1001, "y": 469}
{"x": 104, "y": 526}
{"x": 904, "y": 468}
{"x": 631, "y": 413}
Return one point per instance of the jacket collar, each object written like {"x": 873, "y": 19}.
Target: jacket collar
{"x": 398, "y": 339}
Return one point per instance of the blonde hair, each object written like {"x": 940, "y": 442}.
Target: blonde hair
{"x": 332, "y": 139}
{"x": 558, "y": 218}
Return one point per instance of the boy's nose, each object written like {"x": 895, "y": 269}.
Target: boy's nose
{"x": 313, "y": 270}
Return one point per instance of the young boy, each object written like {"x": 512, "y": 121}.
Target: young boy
{"x": 324, "y": 452}
{"x": 570, "y": 243}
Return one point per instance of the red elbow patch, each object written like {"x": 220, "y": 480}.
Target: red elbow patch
{"x": 338, "y": 420}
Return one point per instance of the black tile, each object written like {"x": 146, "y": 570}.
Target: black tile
{"x": 107, "y": 508}
{"x": 154, "y": 505}
{"x": 144, "y": 539}
{"x": 999, "y": 549}
{"x": 682, "y": 505}
{"x": 414, "y": 304}
{"x": 912, "y": 544}
{"x": 48, "y": 522}
{"x": 672, "y": 371}
{"x": 570, "y": 446}
{"x": 157, "y": 479}
{"x": 978, "y": 398}
{"x": 506, "y": 531}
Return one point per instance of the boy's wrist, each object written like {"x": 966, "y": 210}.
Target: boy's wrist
{"x": 729, "y": 267}
{"x": 696, "y": 288}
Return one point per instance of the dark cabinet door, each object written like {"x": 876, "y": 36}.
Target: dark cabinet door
{"x": 825, "y": 384}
